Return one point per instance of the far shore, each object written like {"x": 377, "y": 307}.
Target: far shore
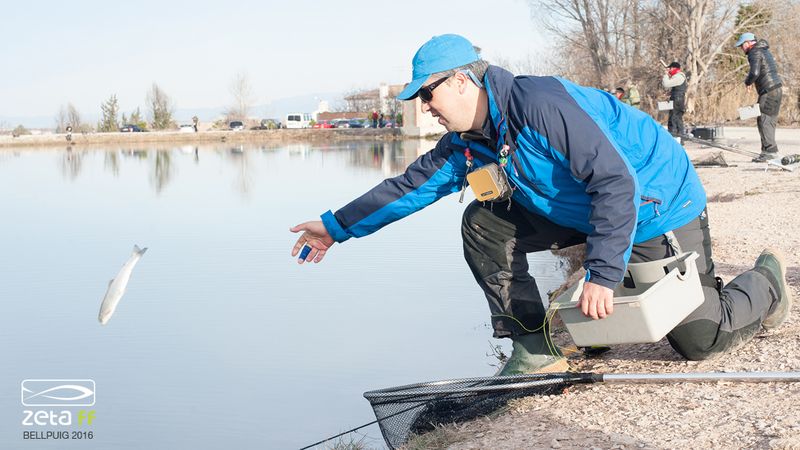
{"x": 247, "y": 136}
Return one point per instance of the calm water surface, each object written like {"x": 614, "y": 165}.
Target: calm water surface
{"x": 222, "y": 340}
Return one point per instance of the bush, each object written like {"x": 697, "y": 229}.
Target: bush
{"x": 19, "y": 131}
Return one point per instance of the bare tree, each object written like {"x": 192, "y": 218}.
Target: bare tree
{"x": 243, "y": 97}
{"x": 362, "y": 100}
{"x": 61, "y": 120}
{"x": 160, "y": 108}
{"x": 594, "y": 29}
{"x": 69, "y": 116}
{"x": 526, "y": 66}
{"x": 624, "y": 39}
{"x": 707, "y": 28}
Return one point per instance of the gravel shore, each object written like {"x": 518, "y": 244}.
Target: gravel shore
{"x": 750, "y": 208}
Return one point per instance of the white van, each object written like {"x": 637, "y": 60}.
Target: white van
{"x": 298, "y": 120}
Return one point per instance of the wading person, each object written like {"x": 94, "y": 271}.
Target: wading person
{"x": 675, "y": 81}
{"x": 575, "y": 166}
{"x": 764, "y": 75}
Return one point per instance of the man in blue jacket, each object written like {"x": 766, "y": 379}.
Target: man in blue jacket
{"x": 582, "y": 168}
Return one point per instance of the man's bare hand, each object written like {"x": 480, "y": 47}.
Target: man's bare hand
{"x": 596, "y": 301}
{"x": 316, "y": 236}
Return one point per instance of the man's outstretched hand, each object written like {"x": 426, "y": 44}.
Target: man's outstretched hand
{"x": 596, "y": 301}
{"x": 316, "y": 236}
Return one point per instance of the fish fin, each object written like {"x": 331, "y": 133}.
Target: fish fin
{"x": 138, "y": 250}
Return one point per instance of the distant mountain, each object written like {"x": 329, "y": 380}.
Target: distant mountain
{"x": 276, "y": 109}
{"x": 10, "y": 122}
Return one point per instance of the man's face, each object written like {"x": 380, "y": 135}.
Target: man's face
{"x": 453, "y": 103}
{"x": 747, "y": 46}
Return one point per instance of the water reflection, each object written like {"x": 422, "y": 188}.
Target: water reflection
{"x": 219, "y": 324}
{"x": 71, "y": 163}
{"x": 390, "y": 158}
{"x": 111, "y": 162}
{"x": 244, "y": 180}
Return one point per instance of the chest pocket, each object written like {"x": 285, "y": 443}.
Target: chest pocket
{"x": 649, "y": 209}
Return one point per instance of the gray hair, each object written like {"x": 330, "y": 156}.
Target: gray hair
{"x": 478, "y": 68}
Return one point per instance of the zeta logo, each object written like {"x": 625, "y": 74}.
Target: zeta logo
{"x": 58, "y": 392}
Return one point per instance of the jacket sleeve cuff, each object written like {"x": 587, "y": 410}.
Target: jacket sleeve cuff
{"x": 334, "y": 228}
{"x": 596, "y": 279}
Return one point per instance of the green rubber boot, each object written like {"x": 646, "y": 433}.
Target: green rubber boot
{"x": 771, "y": 264}
{"x": 530, "y": 354}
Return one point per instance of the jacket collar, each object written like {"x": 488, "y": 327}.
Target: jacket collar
{"x": 498, "y": 83}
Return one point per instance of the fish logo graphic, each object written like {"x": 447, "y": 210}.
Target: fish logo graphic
{"x": 58, "y": 392}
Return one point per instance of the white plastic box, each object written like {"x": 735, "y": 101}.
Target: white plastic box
{"x": 653, "y": 298}
{"x": 748, "y": 112}
{"x": 665, "y": 106}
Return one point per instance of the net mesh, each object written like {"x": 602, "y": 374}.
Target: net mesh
{"x": 417, "y": 408}
{"x": 713, "y": 160}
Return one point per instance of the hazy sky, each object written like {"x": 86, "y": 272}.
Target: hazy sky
{"x": 84, "y": 51}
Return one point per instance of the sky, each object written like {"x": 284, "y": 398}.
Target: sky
{"x": 83, "y": 52}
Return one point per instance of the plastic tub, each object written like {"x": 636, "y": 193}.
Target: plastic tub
{"x": 665, "y": 106}
{"x": 653, "y": 298}
{"x": 748, "y": 112}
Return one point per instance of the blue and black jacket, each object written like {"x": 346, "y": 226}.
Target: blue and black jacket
{"x": 579, "y": 157}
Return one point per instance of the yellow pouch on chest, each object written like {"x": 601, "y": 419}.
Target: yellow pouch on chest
{"x": 490, "y": 183}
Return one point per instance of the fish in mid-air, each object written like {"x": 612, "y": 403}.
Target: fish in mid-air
{"x": 116, "y": 287}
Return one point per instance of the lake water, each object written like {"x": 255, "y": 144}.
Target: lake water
{"x": 222, "y": 340}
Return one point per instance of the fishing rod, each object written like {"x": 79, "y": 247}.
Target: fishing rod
{"x": 432, "y": 391}
{"x": 729, "y": 148}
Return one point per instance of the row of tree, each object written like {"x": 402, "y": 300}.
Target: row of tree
{"x": 160, "y": 110}
{"x": 609, "y": 43}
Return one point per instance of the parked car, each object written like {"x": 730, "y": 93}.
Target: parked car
{"x": 298, "y": 120}
{"x": 130, "y": 128}
{"x": 356, "y": 123}
{"x": 271, "y": 124}
{"x": 341, "y": 123}
{"x": 186, "y": 128}
{"x": 323, "y": 124}
{"x": 236, "y": 125}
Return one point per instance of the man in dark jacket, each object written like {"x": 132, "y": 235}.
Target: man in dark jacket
{"x": 577, "y": 167}
{"x": 764, "y": 74}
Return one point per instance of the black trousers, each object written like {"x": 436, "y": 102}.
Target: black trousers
{"x": 770, "y": 105}
{"x": 675, "y": 122}
{"x": 497, "y": 241}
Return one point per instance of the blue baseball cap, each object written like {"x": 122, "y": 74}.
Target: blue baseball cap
{"x": 744, "y": 38}
{"x": 440, "y": 53}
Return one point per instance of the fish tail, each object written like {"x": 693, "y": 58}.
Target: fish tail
{"x": 138, "y": 250}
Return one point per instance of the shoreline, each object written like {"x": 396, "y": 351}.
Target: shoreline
{"x": 246, "y": 136}
{"x": 750, "y": 207}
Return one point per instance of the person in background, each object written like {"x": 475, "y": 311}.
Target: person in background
{"x": 574, "y": 167}
{"x": 764, "y": 75}
{"x": 632, "y": 96}
{"x": 620, "y": 94}
{"x": 675, "y": 81}
{"x": 374, "y": 118}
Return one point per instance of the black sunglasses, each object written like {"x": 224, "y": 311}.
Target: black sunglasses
{"x": 426, "y": 92}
